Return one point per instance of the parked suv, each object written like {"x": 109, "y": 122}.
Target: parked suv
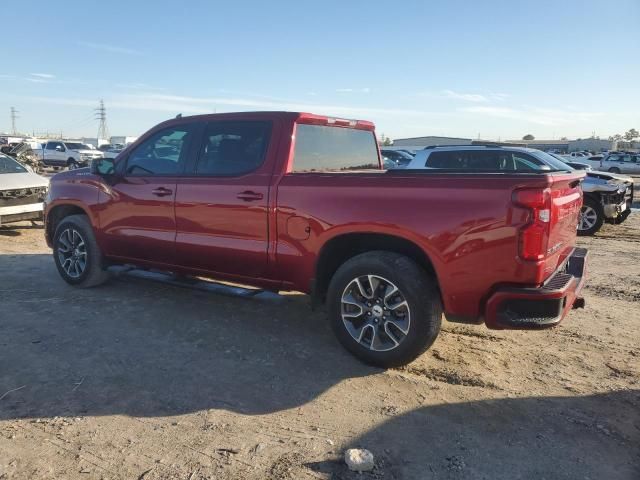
{"x": 297, "y": 201}
{"x": 621, "y": 163}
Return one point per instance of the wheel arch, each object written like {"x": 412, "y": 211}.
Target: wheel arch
{"x": 342, "y": 247}
{"x": 59, "y": 212}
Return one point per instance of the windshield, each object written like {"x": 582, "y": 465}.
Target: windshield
{"x": 75, "y": 146}
{"x": 9, "y": 165}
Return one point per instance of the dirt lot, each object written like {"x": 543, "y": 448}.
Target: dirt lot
{"x": 141, "y": 380}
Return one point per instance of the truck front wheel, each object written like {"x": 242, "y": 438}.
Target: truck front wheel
{"x": 384, "y": 308}
{"x": 76, "y": 253}
{"x": 72, "y": 164}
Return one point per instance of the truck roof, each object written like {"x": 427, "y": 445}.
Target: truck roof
{"x": 303, "y": 117}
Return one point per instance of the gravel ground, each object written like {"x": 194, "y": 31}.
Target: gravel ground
{"x": 143, "y": 380}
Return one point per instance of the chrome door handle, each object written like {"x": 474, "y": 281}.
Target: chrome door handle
{"x": 249, "y": 196}
{"x": 162, "y": 192}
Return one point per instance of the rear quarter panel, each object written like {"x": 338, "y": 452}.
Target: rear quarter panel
{"x": 465, "y": 223}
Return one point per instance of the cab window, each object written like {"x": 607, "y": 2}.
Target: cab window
{"x": 164, "y": 153}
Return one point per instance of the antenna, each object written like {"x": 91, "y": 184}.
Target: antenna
{"x": 14, "y": 116}
{"x": 101, "y": 115}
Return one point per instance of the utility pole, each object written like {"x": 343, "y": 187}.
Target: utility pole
{"x": 14, "y": 116}
{"x": 101, "y": 115}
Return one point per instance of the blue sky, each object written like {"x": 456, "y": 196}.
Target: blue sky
{"x": 498, "y": 69}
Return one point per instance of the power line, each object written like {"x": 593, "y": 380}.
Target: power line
{"x": 14, "y": 116}
{"x": 101, "y": 115}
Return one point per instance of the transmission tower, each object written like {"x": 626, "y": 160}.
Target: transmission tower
{"x": 101, "y": 115}
{"x": 14, "y": 117}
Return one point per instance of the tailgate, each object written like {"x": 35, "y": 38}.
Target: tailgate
{"x": 566, "y": 201}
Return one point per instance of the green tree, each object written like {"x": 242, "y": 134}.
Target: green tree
{"x": 631, "y": 134}
{"x": 528, "y": 136}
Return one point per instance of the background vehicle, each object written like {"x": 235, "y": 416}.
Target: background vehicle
{"x": 57, "y": 153}
{"x": 296, "y": 201}
{"x": 607, "y": 198}
{"x": 583, "y": 157}
{"x": 395, "y": 158}
{"x": 622, "y": 163}
{"x": 576, "y": 165}
{"x": 21, "y": 192}
{"x": 24, "y": 154}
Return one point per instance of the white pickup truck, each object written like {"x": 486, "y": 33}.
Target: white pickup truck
{"x": 59, "y": 153}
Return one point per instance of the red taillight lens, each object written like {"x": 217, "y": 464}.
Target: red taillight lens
{"x": 534, "y": 236}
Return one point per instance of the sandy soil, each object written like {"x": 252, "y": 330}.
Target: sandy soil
{"x": 142, "y": 380}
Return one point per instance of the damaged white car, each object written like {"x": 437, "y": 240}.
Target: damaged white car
{"x": 21, "y": 192}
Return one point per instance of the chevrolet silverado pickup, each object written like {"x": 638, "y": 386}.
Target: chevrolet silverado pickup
{"x": 297, "y": 201}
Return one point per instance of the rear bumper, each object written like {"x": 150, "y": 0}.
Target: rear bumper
{"x": 539, "y": 307}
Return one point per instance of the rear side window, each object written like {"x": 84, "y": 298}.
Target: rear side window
{"x": 490, "y": 160}
{"x": 333, "y": 149}
{"x": 233, "y": 148}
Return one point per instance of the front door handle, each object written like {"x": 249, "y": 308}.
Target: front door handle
{"x": 249, "y": 196}
{"x": 161, "y": 192}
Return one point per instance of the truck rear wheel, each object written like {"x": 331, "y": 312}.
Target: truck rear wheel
{"x": 384, "y": 308}
{"x": 591, "y": 217}
{"x": 76, "y": 253}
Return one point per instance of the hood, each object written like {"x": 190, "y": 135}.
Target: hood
{"x": 610, "y": 176}
{"x": 14, "y": 181}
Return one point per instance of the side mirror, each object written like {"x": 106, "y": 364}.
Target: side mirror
{"x": 59, "y": 149}
{"x": 103, "y": 166}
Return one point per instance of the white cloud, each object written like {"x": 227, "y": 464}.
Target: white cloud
{"x": 353, "y": 90}
{"x": 110, "y": 48}
{"x": 535, "y": 115}
{"x": 467, "y": 97}
{"x": 35, "y": 80}
{"x": 138, "y": 86}
{"x": 43, "y": 75}
{"x": 196, "y": 105}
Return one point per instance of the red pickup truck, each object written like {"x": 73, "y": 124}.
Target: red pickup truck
{"x": 296, "y": 201}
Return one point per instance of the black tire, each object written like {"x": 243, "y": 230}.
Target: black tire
{"x": 93, "y": 273}
{"x": 614, "y": 170}
{"x": 72, "y": 164}
{"x": 418, "y": 288}
{"x": 591, "y": 205}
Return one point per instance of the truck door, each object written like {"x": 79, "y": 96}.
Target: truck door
{"x": 137, "y": 217}
{"x": 222, "y": 204}
{"x": 54, "y": 154}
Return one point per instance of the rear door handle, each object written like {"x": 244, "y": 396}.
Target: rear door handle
{"x": 162, "y": 192}
{"x": 249, "y": 196}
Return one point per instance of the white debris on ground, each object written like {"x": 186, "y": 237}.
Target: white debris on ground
{"x": 359, "y": 459}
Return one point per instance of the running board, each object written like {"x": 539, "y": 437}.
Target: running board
{"x": 195, "y": 283}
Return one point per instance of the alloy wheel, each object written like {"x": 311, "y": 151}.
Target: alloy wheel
{"x": 588, "y": 218}
{"x": 375, "y": 313}
{"x": 72, "y": 252}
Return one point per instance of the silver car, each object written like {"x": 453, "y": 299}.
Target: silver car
{"x": 621, "y": 163}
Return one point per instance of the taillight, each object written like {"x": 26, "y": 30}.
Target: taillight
{"x": 534, "y": 236}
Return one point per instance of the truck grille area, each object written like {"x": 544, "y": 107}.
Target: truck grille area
{"x": 22, "y": 196}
